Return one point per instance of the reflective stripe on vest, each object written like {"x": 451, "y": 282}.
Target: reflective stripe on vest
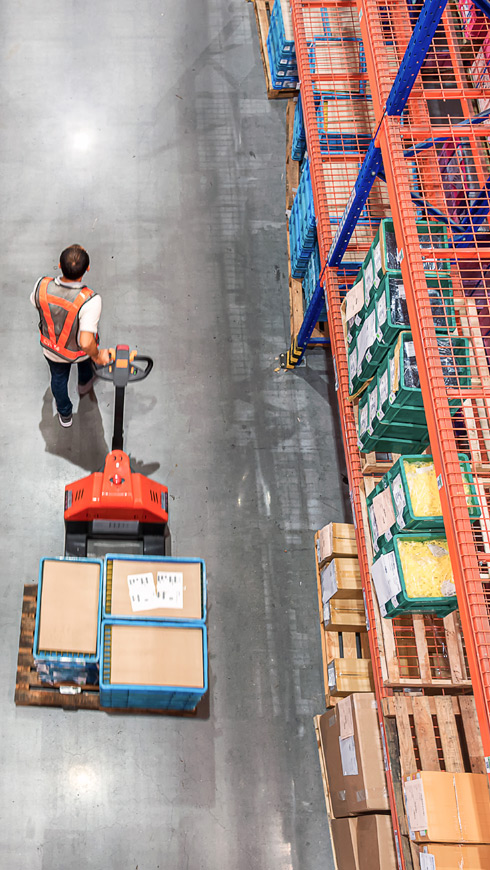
{"x": 55, "y": 343}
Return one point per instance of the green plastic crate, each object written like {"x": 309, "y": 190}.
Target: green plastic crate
{"x": 433, "y": 234}
{"x": 454, "y": 352}
{"x": 406, "y": 519}
{"x": 395, "y": 405}
{"x": 392, "y": 318}
{"x": 365, "y": 343}
{"x": 396, "y": 600}
{"x": 384, "y": 251}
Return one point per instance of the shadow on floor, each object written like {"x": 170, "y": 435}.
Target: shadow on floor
{"x": 84, "y": 442}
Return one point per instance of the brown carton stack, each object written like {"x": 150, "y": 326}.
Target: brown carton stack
{"x": 335, "y": 540}
{"x": 447, "y": 807}
{"x": 353, "y": 756}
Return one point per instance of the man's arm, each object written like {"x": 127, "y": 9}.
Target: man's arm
{"x": 87, "y": 342}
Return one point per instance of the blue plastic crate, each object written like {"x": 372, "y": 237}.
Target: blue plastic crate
{"x": 156, "y": 615}
{"x": 148, "y": 697}
{"x": 281, "y": 51}
{"x": 78, "y": 666}
{"x": 298, "y": 145}
{"x": 310, "y": 281}
{"x": 302, "y": 225}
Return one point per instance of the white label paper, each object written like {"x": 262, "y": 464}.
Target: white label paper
{"x": 410, "y": 349}
{"x": 368, "y": 281}
{"x": 371, "y": 329}
{"x": 170, "y": 589}
{"x": 427, "y": 862}
{"x": 381, "y": 310}
{"x": 328, "y": 579}
{"x": 401, "y": 291}
{"x": 385, "y": 578}
{"x": 399, "y": 499}
{"x": 352, "y": 365}
{"x": 373, "y": 405}
{"x": 142, "y": 592}
{"x": 363, "y": 419}
{"x": 377, "y": 258}
{"x": 348, "y": 756}
{"x": 383, "y": 510}
{"x": 415, "y": 805}
{"x": 383, "y": 388}
{"x": 354, "y": 300}
{"x": 346, "y": 721}
{"x": 374, "y": 528}
{"x": 327, "y": 614}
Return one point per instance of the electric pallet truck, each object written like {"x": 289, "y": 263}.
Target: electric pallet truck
{"x": 117, "y": 509}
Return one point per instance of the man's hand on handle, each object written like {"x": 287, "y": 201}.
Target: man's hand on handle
{"x": 100, "y": 356}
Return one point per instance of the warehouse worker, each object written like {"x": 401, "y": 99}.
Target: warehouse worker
{"x": 69, "y": 314}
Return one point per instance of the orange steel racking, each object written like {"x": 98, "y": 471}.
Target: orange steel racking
{"x": 432, "y": 165}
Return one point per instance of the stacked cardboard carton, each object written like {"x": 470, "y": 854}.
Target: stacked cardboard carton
{"x": 355, "y": 772}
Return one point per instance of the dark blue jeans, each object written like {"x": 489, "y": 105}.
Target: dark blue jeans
{"x": 60, "y": 373}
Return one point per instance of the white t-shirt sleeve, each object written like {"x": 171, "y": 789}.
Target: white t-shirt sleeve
{"x": 33, "y": 294}
{"x": 90, "y": 315}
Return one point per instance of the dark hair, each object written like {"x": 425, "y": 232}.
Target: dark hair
{"x": 74, "y": 262}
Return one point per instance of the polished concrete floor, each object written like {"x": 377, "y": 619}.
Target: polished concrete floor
{"x": 142, "y": 131}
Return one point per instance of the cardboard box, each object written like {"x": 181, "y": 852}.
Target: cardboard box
{"x": 344, "y": 615}
{"x": 448, "y": 807}
{"x": 349, "y": 675}
{"x": 192, "y": 589}
{"x": 69, "y": 608}
{"x": 375, "y": 843}
{"x": 439, "y": 856}
{"x": 147, "y": 655}
{"x": 341, "y": 578}
{"x": 335, "y": 540}
{"x": 353, "y": 756}
{"x": 344, "y": 837}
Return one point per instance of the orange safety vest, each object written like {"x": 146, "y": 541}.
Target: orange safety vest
{"x": 59, "y": 331}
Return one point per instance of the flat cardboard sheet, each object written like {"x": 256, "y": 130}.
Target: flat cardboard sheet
{"x": 121, "y": 601}
{"x": 69, "y": 607}
{"x": 157, "y": 656}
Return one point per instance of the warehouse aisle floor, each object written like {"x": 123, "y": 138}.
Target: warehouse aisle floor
{"x": 143, "y": 132}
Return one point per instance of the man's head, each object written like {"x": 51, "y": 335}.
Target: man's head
{"x": 74, "y": 262}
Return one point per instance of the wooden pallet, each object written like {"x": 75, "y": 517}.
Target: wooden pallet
{"x": 292, "y": 166}
{"x": 377, "y": 463}
{"x": 262, "y": 10}
{"x": 417, "y": 651}
{"x": 326, "y": 790}
{"x": 340, "y": 645}
{"x": 440, "y": 732}
{"x": 31, "y": 692}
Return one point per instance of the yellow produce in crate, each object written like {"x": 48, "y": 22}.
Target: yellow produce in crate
{"x": 426, "y": 568}
{"x": 422, "y": 486}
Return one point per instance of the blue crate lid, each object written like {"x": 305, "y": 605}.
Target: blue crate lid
{"x": 105, "y": 662}
{"x": 167, "y": 560}
{"x": 62, "y": 655}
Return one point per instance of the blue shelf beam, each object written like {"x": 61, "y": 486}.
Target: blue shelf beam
{"x": 420, "y": 42}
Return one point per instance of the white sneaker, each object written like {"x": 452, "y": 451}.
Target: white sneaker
{"x": 66, "y": 422}
{"x": 83, "y": 389}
